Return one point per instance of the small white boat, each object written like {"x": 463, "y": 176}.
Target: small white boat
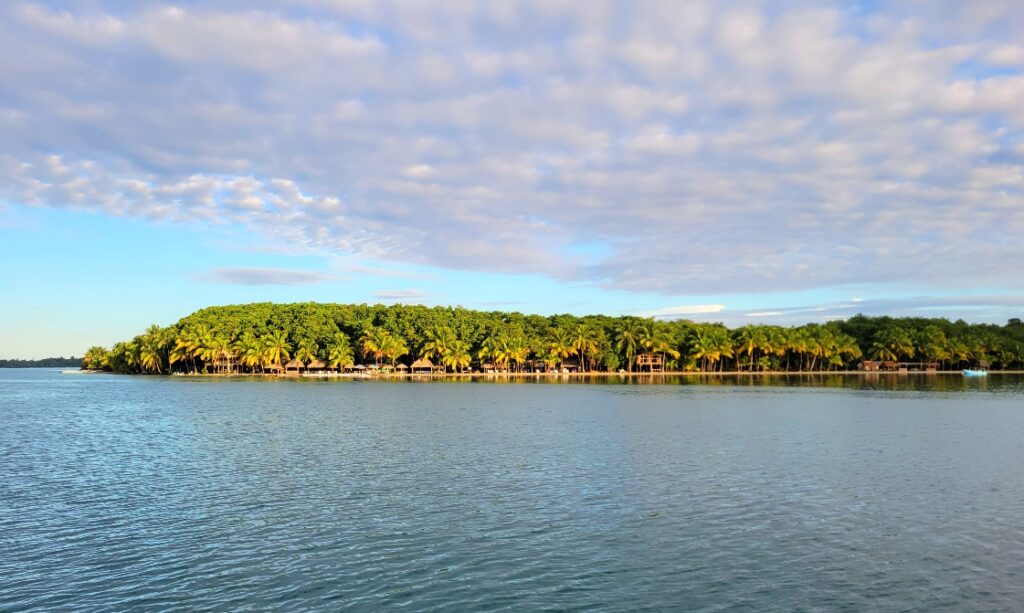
{"x": 970, "y": 372}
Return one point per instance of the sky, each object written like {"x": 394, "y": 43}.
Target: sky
{"x": 747, "y": 161}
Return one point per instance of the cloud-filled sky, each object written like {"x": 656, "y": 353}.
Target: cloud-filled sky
{"x": 699, "y": 159}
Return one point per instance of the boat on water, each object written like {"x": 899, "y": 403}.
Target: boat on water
{"x": 971, "y": 372}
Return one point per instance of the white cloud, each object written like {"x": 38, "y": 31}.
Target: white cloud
{"x": 756, "y": 146}
{"x": 400, "y": 295}
{"x": 265, "y": 276}
{"x": 675, "y": 312}
{"x": 1007, "y": 55}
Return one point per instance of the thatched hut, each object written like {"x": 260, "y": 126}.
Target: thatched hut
{"x": 422, "y": 366}
{"x": 402, "y": 368}
{"x": 294, "y": 367}
{"x": 870, "y": 365}
{"x": 316, "y": 365}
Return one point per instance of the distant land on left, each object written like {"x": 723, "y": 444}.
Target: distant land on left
{"x": 42, "y": 363}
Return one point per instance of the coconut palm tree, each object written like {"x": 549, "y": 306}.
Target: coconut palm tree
{"x": 516, "y": 350}
{"x": 250, "y": 351}
{"x": 150, "y": 357}
{"x": 560, "y": 344}
{"x": 627, "y": 341}
{"x": 489, "y": 349}
{"x": 456, "y": 356}
{"x": 374, "y": 342}
{"x": 654, "y": 339}
{"x": 340, "y": 355}
{"x": 584, "y": 341}
{"x": 276, "y": 349}
{"x": 747, "y": 339}
{"x": 438, "y": 340}
{"x": 96, "y": 358}
{"x": 393, "y": 348}
{"x": 306, "y": 352}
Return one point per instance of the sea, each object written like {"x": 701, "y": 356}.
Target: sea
{"x": 845, "y": 493}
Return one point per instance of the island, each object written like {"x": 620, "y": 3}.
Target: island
{"x": 322, "y": 340}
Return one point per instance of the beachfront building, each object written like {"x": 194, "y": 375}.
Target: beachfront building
{"x": 422, "y": 366}
{"x": 225, "y": 363}
{"x": 654, "y": 362}
{"x": 293, "y": 368}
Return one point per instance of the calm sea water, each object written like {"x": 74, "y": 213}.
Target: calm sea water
{"x": 156, "y": 493}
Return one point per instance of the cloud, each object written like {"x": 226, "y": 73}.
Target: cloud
{"x": 265, "y": 276}
{"x": 755, "y": 147}
{"x": 982, "y": 307}
{"x": 378, "y": 271}
{"x": 401, "y": 295}
{"x": 677, "y": 312}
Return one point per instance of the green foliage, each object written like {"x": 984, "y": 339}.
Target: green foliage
{"x": 54, "y": 362}
{"x": 264, "y": 336}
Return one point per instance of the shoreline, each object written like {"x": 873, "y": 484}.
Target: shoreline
{"x": 552, "y": 376}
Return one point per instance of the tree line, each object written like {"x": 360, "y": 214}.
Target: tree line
{"x": 262, "y": 337}
{"x": 42, "y": 363}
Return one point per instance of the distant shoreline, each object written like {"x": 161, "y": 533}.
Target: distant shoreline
{"x": 555, "y": 376}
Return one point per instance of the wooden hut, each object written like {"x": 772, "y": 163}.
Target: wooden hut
{"x": 293, "y": 368}
{"x": 273, "y": 369}
{"x": 536, "y": 366}
{"x": 422, "y": 366}
{"x": 316, "y": 366}
{"x": 870, "y": 365}
{"x": 402, "y": 368}
{"x": 654, "y": 362}
{"x": 225, "y": 363}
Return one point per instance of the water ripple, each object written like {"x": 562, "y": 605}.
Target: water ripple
{"x": 154, "y": 494}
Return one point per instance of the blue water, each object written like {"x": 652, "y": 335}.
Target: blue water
{"x": 156, "y": 493}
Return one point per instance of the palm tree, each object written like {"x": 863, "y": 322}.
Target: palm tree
{"x": 373, "y": 342}
{"x": 393, "y": 348}
{"x": 516, "y": 350}
{"x": 150, "y": 357}
{"x": 276, "y": 348}
{"x": 96, "y": 358}
{"x": 438, "y": 340}
{"x": 654, "y": 339}
{"x": 747, "y": 339}
{"x": 489, "y": 349}
{"x": 560, "y": 344}
{"x": 627, "y": 340}
{"x": 250, "y": 351}
{"x": 456, "y": 356}
{"x": 306, "y": 352}
{"x": 584, "y": 341}
{"x": 340, "y": 354}
{"x": 220, "y": 347}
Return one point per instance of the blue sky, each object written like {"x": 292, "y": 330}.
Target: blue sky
{"x": 741, "y": 161}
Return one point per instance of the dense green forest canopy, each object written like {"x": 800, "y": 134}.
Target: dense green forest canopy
{"x": 265, "y": 336}
{"x": 42, "y": 363}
